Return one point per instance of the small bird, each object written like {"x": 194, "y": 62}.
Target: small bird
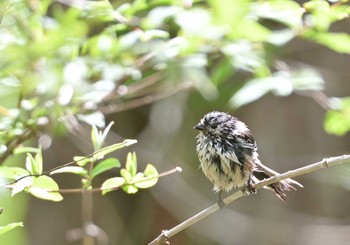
{"x": 228, "y": 156}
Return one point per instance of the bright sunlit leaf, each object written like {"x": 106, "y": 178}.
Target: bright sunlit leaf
{"x": 81, "y": 160}
{"x": 33, "y": 166}
{"x": 130, "y": 189}
{"x": 126, "y": 175}
{"x": 111, "y": 184}
{"x": 21, "y": 184}
{"x": 12, "y": 173}
{"x": 39, "y": 161}
{"x": 71, "y": 169}
{"x": 95, "y": 138}
{"x": 131, "y": 163}
{"x": 46, "y": 188}
{"x": 106, "y": 131}
{"x": 147, "y": 179}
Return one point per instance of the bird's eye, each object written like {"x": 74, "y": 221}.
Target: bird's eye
{"x": 214, "y": 125}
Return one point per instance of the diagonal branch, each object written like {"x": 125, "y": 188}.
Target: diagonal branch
{"x": 325, "y": 163}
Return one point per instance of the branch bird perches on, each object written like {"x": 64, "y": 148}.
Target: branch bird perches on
{"x": 325, "y": 163}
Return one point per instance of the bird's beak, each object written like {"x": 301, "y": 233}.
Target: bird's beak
{"x": 199, "y": 127}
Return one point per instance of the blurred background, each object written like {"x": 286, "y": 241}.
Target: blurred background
{"x": 155, "y": 68}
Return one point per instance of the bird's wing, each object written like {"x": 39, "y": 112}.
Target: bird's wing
{"x": 246, "y": 140}
{"x": 231, "y": 155}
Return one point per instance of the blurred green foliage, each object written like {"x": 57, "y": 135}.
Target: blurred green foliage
{"x": 68, "y": 61}
{"x": 63, "y": 61}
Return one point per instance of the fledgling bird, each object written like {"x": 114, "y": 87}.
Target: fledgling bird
{"x": 228, "y": 156}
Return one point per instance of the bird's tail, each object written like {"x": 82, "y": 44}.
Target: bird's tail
{"x": 279, "y": 188}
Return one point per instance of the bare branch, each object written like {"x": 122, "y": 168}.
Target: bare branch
{"x": 325, "y": 163}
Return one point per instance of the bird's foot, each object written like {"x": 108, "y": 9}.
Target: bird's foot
{"x": 249, "y": 189}
{"x": 221, "y": 202}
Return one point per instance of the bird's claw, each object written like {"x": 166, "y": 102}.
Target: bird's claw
{"x": 249, "y": 189}
{"x": 221, "y": 202}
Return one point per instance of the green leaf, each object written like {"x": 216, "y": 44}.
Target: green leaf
{"x": 225, "y": 14}
{"x": 130, "y": 189}
{"x": 45, "y": 188}
{"x": 280, "y": 37}
{"x": 95, "y": 138}
{"x": 281, "y": 83}
{"x": 288, "y": 13}
{"x": 131, "y": 163}
{"x": 339, "y": 42}
{"x": 71, "y": 169}
{"x": 244, "y": 56}
{"x": 256, "y": 88}
{"x": 6, "y": 228}
{"x": 148, "y": 179}
{"x": 39, "y": 161}
{"x": 126, "y": 175}
{"x": 12, "y": 173}
{"x": 109, "y": 149}
{"x": 112, "y": 183}
{"x": 337, "y": 120}
{"x": 105, "y": 132}
{"x": 105, "y": 166}
{"x": 32, "y": 165}
{"x": 96, "y": 118}
{"x": 21, "y": 184}
{"x": 81, "y": 160}
{"x": 20, "y": 150}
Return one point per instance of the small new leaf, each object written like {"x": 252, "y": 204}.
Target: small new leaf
{"x": 39, "y": 161}
{"x": 130, "y": 189}
{"x": 131, "y": 163}
{"x": 148, "y": 179}
{"x": 81, "y": 161}
{"x": 105, "y": 132}
{"x": 126, "y": 175}
{"x": 32, "y": 165}
{"x": 111, "y": 184}
{"x": 95, "y": 138}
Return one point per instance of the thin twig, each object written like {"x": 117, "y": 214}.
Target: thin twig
{"x": 325, "y": 163}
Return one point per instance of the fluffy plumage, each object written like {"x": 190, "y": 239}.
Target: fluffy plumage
{"x": 228, "y": 155}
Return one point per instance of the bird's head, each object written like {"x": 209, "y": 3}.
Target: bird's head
{"x": 214, "y": 123}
